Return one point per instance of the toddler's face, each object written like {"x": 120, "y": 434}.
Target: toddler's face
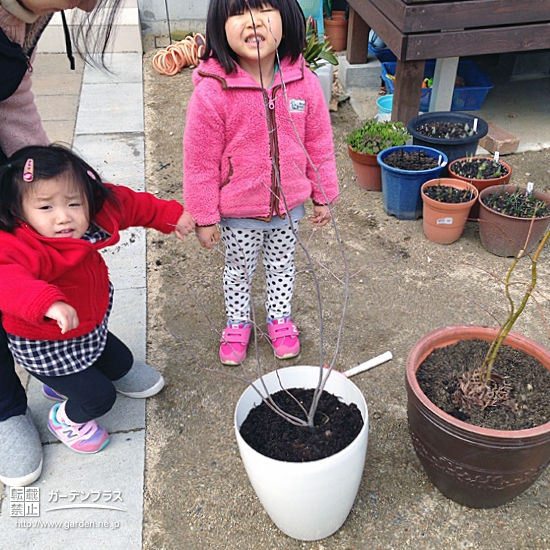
{"x": 239, "y": 30}
{"x": 55, "y": 208}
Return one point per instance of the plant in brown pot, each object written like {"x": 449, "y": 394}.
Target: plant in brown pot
{"x": 336, "y": 25}
{"x": 482, "y": 172}
{"x": 364, "y": 144}
{"x": 478, "y": 407}
{"x": 512, "y": 218}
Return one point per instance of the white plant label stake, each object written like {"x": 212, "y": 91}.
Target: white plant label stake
{"x": 475, "y": 124}
{"x": 496, "y": 157}
{"x": 530, "y": 187}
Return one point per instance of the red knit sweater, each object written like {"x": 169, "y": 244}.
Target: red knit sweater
{"x": 36, "y": 271}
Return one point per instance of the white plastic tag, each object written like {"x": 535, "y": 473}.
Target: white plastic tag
{"x": 530, "y": 187}
{"x": 475, "y": 124}
{"x": 496, "y": 157}
{"x": 444, "y": 221}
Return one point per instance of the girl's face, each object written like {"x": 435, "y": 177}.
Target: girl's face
{"x": 42, "y": 7}
{"x": 56, "y": 208}
{"x": 239, "y": 30}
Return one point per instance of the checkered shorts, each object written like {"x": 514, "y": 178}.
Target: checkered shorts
{"x": 61, "y": 357}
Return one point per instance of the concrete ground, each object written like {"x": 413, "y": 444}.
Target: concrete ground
{"x": 96, "y": 501}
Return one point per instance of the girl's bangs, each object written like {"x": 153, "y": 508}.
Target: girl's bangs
{"x": 237, "y": 7}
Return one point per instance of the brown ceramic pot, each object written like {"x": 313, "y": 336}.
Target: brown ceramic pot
{"x": 480, "y": 184}
{"x": 444, "y": 222}
{"x": 367, "y": 170}
{"x": 336, "y": 30}
{"x": 504, "y": 235}
{"x": 474, "y": 466}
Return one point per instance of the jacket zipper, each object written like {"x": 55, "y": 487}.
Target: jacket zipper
{"x": 274, "y": 153}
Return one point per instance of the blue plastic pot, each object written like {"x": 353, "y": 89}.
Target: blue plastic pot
{"x": 401, "y": 188}
{"x": 453, "y": 148}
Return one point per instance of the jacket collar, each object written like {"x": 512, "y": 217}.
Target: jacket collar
{"x": 211, "y": 68}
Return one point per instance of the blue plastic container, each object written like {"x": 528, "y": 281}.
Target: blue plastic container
{"x": 401, "y": 188}
{"x": 468, "y": 98}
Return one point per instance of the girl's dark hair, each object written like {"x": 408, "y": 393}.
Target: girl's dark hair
{"x": 92, "y": 32}
{"x": 294, "y": 29}
{"x": 49, "y": 162}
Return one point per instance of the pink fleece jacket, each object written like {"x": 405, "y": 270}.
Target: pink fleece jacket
{"x": 250, "y": 156}
{"x": 20, "y": 123}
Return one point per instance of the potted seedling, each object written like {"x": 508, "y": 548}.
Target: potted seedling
{"x": 446, "y": 207}
{"x": 482, "y": 172}
{"x": 364, "y": 144}
{"x": 336, "y": 24}
{"x": 474, "y": 402}
{"x": 455, "y": 134}
{"x": 404, "y": 169}
{"x": 512, "y": 218}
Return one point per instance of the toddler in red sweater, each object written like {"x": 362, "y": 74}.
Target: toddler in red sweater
{"x": 55, "y": 216}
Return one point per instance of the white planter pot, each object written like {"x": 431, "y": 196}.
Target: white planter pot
{"x": 325, "y": 73}
{"x": 306, "y": 500}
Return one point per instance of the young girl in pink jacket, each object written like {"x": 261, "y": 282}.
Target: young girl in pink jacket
{"x": 257, "y": 145}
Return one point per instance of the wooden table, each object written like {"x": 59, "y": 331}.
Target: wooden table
{"x": 416, "y": 30}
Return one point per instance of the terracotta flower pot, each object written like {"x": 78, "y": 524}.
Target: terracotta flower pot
{"x": 367, "y": 170}
{"x": 504, "y": 235}
{"x": 336, "y": 30}
{"x": 444, "y": 222}
{"x": 474, "y": 466}
{"x": 480, "y": 184}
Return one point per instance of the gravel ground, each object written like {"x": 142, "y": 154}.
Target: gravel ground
{"x": 197, "y": 494}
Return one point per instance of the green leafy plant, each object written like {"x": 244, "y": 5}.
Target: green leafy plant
{"x": 448, "y": 194}
{"x": 479, "y": 168}
{"x": 316, "y": 52}
{"x": 518, "y": 204}
{"x": 373, "y": 136}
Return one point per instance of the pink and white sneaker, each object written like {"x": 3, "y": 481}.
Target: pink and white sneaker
{"x": 234, "y": 342}
{"x": 87, "y": 438}
{"x": 284, "y": 337}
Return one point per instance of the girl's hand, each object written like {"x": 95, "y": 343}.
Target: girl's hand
{"x": 185, "y": 225}
{"x": 208, "y": 236}
{"x": 64, "y": 314}
{"x": 321, "y": 215}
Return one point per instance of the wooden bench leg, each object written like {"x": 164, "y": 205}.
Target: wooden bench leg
{"x": 358, "y": 38}
{"x": 407, "y": 90}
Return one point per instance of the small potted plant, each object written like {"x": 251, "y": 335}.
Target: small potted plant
{"x": 478, "y": 424}
{"x": 508, "y": 215}
{"x": 364, "y": 144}
{"x": 336, "y": 24}
{"x": 455, "y": 134}
{"x": 482, "y": 172}
{"x": 404, "y": 169}
{"x": 446, "y": 207}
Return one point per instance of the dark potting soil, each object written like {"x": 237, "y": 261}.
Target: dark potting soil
{"x": 414, "y": 161}
{"x": 530, "y": 381}
{"x": 516, "y": 204}
{"x": 446, "y": 130}
{"x": 480, "y": 169}
{"x": 448, "y": 194}
{"x": 337, "y": 424}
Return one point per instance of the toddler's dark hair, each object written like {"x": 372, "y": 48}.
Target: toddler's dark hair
{"x": 49, "y": 162}
{"x": 294, "y": 29}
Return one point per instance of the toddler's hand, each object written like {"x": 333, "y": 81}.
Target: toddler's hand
{"x": 185, "y": 225}
{"x": 321, "y": 215}
{"x": 208, "y": 236}
{"x": 64, "y": 314}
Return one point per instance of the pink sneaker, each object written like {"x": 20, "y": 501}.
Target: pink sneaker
{"x": 234, "y": 342}
{"x": 284, "y": 337}
{"x": 82, "y": 438}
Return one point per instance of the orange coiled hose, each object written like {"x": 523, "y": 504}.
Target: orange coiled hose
{"x": 185, "y": 53}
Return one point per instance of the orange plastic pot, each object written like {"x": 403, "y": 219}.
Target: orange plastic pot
{"x": 443, "y": 222}
{"x": 367, "y": 170}
{"x": 474, "y": 466}
{"x": 336, "y": 30}
{"x": 480, "y": 184}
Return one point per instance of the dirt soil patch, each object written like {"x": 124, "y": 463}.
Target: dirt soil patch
{"x": 402, "y": 286}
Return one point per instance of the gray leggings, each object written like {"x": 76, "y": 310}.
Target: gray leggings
{"x": 242, "y": 248}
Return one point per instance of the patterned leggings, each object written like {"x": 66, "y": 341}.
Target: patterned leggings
{"x": 242, "y": 248}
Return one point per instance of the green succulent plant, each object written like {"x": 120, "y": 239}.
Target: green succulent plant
{"x": 373, "y": 136}
{"x": 316, "y": 52}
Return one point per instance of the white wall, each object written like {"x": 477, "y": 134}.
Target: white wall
{"x": 183, "y": 14}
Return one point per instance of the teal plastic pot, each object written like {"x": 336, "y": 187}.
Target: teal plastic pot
{"x": 401, "y": 188}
